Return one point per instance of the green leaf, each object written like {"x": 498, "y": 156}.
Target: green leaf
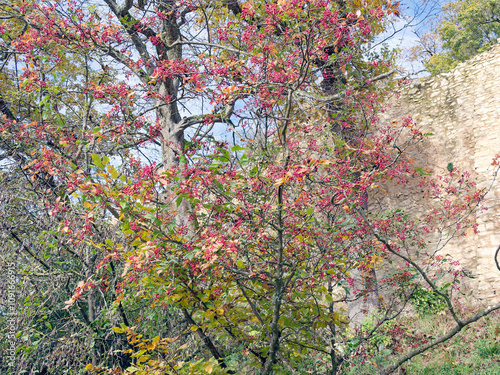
{"x": 96, "y": 159}
{"x": 244, "y": 159}
{"x": 238, "y": 148}
{"x": 61, "y": 122}
{"x": 191, "y": 254}
{"x": 178, "y": 201}
{"x": 182, "y": 159}
{"x": 136, "y": 242}
{"x": 421, "y": 172}
{"x": 150, "y": 216}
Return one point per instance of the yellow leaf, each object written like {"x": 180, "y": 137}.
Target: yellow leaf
{"x": 112, "y": 171}
{"x": 89, "y": 367}
{"x": 279, "y": 182}
{"x": 208, "y": 367}
{"x": 376, "y": 260}
{"x": 170, "y": 339}
{"x": 336, "y": 317}
{"x": 209, "y": 314}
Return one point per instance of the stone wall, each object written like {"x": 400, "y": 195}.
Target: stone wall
{"x": 462, "y": 109}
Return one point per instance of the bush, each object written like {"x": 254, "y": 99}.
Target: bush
{"x": 427, "y": 301}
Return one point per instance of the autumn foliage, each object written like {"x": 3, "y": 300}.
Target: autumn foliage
{"x": 193, "y": 179}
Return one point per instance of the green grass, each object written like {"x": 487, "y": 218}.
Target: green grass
{"x": 473, "y": 351}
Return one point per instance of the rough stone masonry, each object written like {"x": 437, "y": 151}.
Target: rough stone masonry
{"x": 462, "y": 109}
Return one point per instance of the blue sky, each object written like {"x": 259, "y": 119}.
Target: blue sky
{"x": 416, "y": 20}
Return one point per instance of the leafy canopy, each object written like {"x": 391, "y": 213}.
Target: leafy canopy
{"x": 466, "y": 28}
{"x": 198, "y": 176}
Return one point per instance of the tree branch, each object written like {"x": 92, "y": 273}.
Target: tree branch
{"x": 439, "y": 340}
{"x": 192, "y": 42}
{"x": 460, "y": 323}
{"x": 200, "y": 119}
{"x": 129, "y": 23}
{"x": 208, "y": 342}
{"x": 330, "y": 98}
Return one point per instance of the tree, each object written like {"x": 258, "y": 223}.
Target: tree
{"x": 464, "y": 29}
{"x": 196, "y": 251}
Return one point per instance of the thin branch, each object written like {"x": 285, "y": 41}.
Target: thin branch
{"x": 129, "y": 23}
{"x": 330, "y": 98}
{"x": 415, "y": 265}
{"x": 28, "y": 250}
{"x": 390, "y": 369}
{"x": 192, "y": 42}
